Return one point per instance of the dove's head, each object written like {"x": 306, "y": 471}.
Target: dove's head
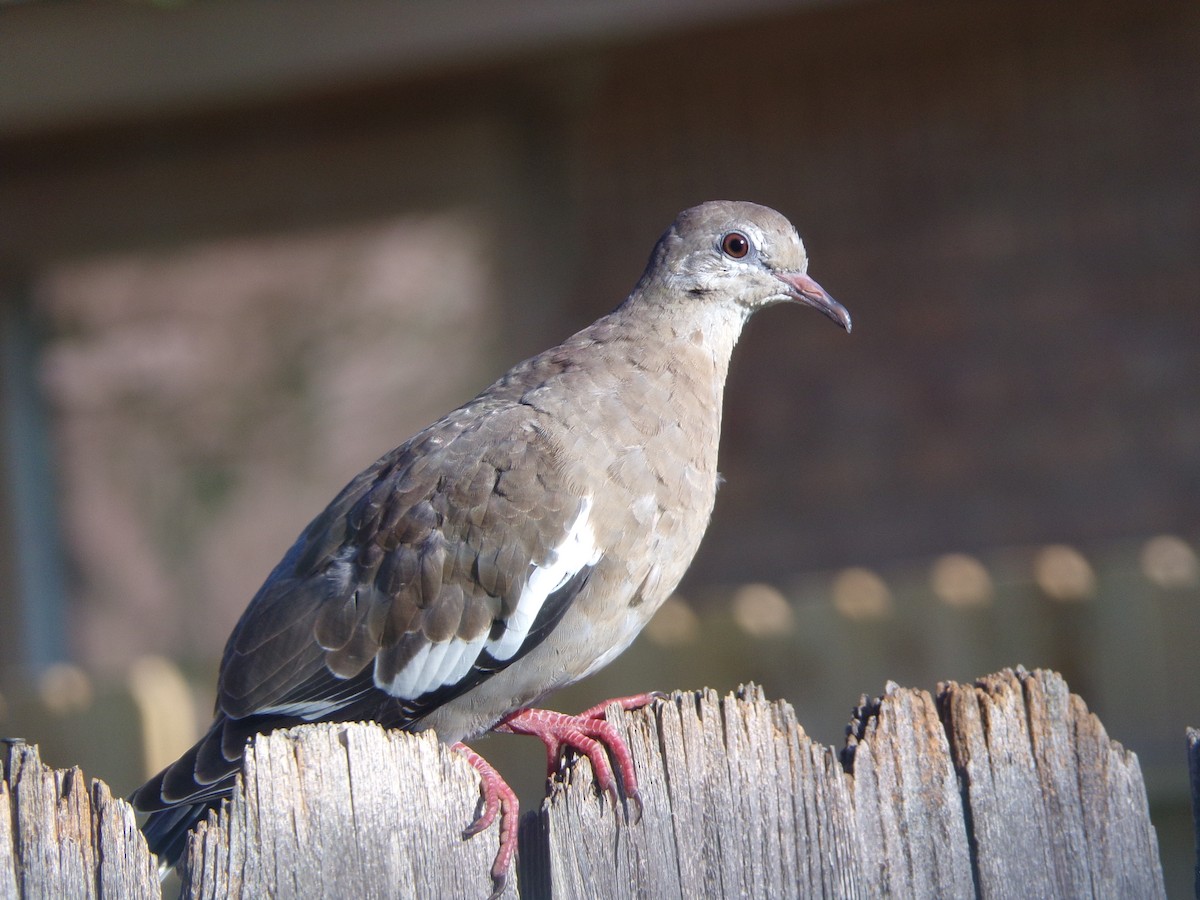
{"x": 738, "y": 252}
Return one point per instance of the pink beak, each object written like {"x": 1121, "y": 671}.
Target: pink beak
{"x": 804, "y": 290}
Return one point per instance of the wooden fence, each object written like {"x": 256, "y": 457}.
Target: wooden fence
{"x": 1005, "y": 788}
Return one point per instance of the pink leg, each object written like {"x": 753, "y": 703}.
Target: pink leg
{"x": 498, "y": 799}
{"x": 634, "y": 701}
{"x": 589, "y": 734}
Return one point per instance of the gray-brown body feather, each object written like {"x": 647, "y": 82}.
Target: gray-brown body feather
{"x": 431, "y": 547}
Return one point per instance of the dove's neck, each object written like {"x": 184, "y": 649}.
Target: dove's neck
{"x": 693, "y": 331}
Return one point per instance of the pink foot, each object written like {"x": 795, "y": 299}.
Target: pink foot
{"x": 633, "y": 701}
{"x": 587, "y": 733}
{"x": 498, "y": 799}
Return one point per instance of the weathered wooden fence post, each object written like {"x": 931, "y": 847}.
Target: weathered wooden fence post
{"x": 61, "y": 838}
{"x": 345, "y": 811}
{"x": 1193, "y": 747}
{"x": 1005, "y": 788}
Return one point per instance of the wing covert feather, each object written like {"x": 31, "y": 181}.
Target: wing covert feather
{"x": 419, "y": 562}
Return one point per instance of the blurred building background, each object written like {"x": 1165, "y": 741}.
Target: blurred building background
{"x": 246, "y": 248}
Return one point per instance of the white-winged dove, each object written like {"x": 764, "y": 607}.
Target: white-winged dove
{"x": 514, "y": 546}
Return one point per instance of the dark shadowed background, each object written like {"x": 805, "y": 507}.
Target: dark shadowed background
{"x": 246, "y": 248}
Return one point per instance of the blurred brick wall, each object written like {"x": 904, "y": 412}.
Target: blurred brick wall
{"x": 1005, "y": 195}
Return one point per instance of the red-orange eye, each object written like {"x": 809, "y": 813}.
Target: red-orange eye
{"x": 735, "y": 245}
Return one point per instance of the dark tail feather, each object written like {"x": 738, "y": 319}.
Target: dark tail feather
{"x": 179, "y": 796}
{"x": 177, "y": 800}
{"x": 166, "y": 831}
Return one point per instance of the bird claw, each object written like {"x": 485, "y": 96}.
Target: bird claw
{"x": 482, "y": 821}
{"x": 635, "y": 799}
{"x": 590, "y": 734}
{"x": 614, "y": 796}
{"x": 498, "y": 800}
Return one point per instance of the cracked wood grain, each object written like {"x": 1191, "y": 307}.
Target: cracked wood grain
{"x": 1007, "y": 787}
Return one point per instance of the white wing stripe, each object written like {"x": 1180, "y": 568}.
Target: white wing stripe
{"x": 459, "y": 659}
{"x": 309, "y": 711}
{"x": 437, "y": 665}
{"x": 425, "y": 681}
{"x": 577, "y": 550}
{"x": 406, "y": 679}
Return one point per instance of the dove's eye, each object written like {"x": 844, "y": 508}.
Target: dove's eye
{"x": 735, "y": 245}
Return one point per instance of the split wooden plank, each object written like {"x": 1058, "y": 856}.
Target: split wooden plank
{"x": 1007, "y": 787}
{"x": 61, "y": 837}
{"x": 344, "y": 810}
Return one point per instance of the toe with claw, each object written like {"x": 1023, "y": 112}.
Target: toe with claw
{"x": 589, "y": 733}
{"x": 498, "y": 799}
